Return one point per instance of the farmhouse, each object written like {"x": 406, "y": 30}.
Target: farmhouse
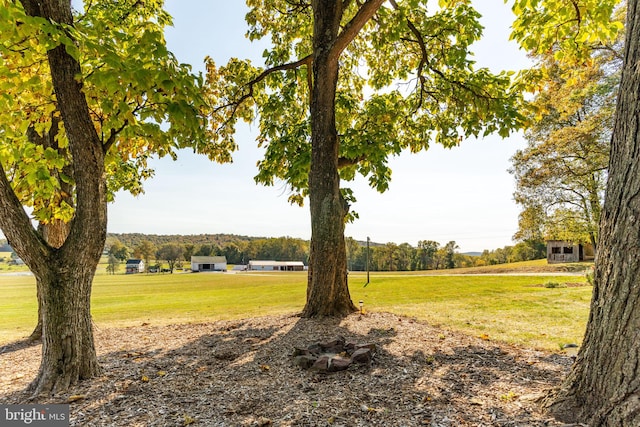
{"x": 134, "y": 266}
{"x": 208, "y": 263}
{"x": 276, "y": 266}
{"x": 563, "y": 251}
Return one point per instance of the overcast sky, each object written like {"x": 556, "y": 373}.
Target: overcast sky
{"x": 463, "y": 194}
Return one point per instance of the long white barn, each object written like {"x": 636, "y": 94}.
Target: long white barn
{"x": 259, "y": 265}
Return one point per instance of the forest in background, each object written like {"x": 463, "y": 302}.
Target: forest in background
{"x": 426, "y": 255}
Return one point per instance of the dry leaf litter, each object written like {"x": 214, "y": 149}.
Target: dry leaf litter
{"x": 241, "y": 373}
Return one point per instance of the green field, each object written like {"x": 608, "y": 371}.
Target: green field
{"x": 515, "y": 309}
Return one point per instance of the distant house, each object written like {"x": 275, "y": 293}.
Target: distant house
{"x": 208, "y": 263}
{"x": 134, "y": 266}
{"x": 276, "y": 265}
{"x": 563, "y": 251}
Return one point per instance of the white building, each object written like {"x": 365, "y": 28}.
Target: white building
{"x": 133, "y": 266}
{"x": 276, "y": 265}
{"x": 208, "y": 263}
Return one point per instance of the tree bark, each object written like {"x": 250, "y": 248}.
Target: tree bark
{"x": 54, "y": 233}
{"x": 603, "y": 388}
{"x": 327, "y": 288}
{"x": 68, "y": 352}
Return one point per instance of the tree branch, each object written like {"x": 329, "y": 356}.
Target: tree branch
{"x": 350, "y": 31}
{"x": 112, "y": 136}
{"x": 424, "y": 62}
{"x": 344, "y": 162}
{"x": 234, "y": 105}
{"x": 16, "y": 224}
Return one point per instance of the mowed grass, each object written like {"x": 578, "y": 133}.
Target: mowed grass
{"x": 514, "y": 309}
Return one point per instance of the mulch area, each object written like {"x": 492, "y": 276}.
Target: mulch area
{"x": 241, "y": 373}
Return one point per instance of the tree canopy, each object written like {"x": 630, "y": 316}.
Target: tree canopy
{"x": 142, "y": 102}
{"x": 561, "y": 174}
{"x": 397, "y": 74}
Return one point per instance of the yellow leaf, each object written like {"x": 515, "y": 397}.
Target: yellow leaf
{"x": 484, "y": 337}
{"x": 264, "y": 368}
{"x": 145, "y": 378}
{"x": 162, "y": 373}
{"x": 75, "y": 398}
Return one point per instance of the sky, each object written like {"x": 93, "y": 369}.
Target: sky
{"x": 464, "y": 194}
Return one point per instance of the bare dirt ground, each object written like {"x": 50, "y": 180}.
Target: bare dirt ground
{"x": 240, "y": 373}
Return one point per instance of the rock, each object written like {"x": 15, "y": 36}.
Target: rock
{"x": 350, "y": 347}
{"x": 297, "y": 351}
{"x": 315, "y": 349}
{"x": 362, "y": 355}
{"x": 321, "y": 365}
{"x": 338, "y": 364}
{"x": 336, "y": 346}
{"x": 370, "y": 346}
{"x": 304, "y": 361}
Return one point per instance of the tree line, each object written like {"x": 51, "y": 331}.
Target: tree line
{"x": 426, "y": 255}
{"x": 431, "y": 255}
{"x": 236, "y": 249}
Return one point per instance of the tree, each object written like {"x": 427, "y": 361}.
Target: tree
{"x": 403, "y": 258}
{"x": 352, "y": 248}
{"x": 113, "y": 264}
{"x": 170, "y": 253}
{"x": 206, "y": 250}
{"x": 347, "y": 85}
{"x": 449, "y": 251}
{"x": 232, "y": 252}
{"x": 119, "y": 251}
{"x": 145, "y": 250}
{"x": 561, "y": 174}
{"x": 188, "y": 251}
{"x": 603, "y": 386}
{"x": 427, "y": 250}
{"x": 85, "y": 103}
{"x": 528, "y": 250}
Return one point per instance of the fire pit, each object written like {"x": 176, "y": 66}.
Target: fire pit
{"x": 333, "y": 356}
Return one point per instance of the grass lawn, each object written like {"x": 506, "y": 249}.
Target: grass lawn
{"x": 515, "y": 309}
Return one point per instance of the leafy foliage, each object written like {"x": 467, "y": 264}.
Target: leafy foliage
{"x": 170, "y": 253}
{"x": 142, "y": 101}
{"x": 406, "y": 80}
{"x": 561, "y": 174}
{"x": 568, "y": 30}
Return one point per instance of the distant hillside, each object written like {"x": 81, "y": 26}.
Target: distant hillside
{"x": 472, "y": 253}
{"x": 132, "y": 240}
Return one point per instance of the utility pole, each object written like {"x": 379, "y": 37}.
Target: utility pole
{"x": 367, "y": 262}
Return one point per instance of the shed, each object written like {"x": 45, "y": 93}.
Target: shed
{"x": 208, "y": 263}
{"x": 134, "y": 266}
{"x": 276, "y": 265}
{"x": 564, "y": 251}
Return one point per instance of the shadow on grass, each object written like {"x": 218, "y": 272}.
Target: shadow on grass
{"x": 240, "y": 373}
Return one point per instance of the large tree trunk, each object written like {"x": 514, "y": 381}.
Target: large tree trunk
{"x": 603, "y": 388}
{"x": 54, "y": 233}
{"x": 327, "y": 289}
{"x": 68, "y": 352}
